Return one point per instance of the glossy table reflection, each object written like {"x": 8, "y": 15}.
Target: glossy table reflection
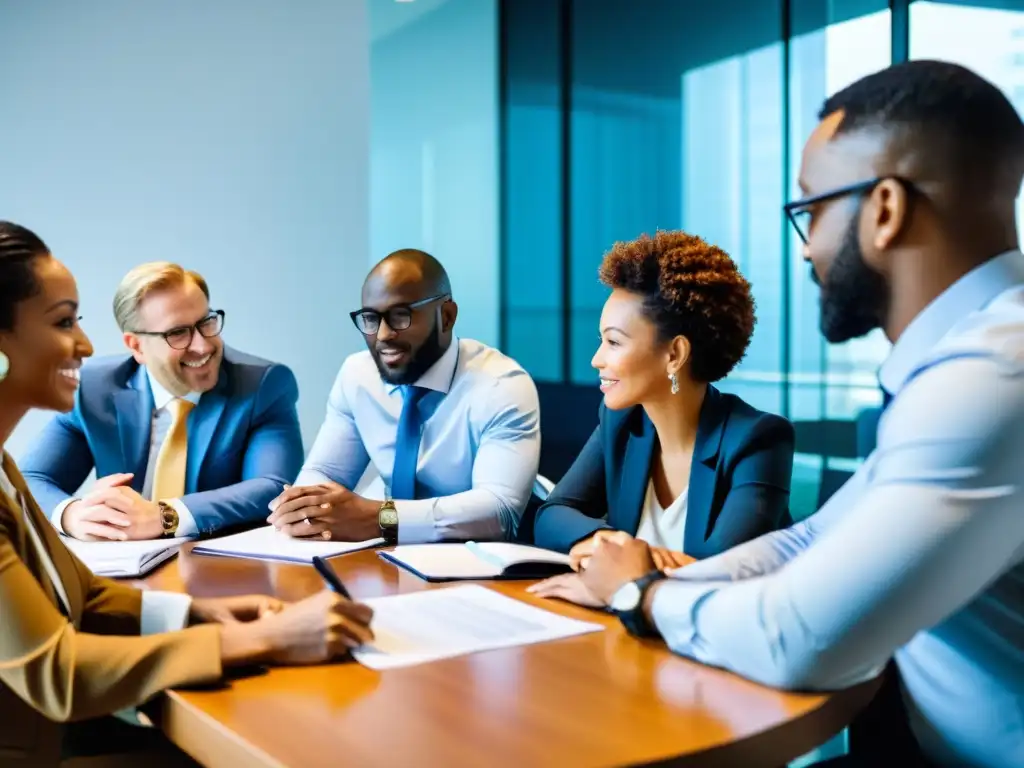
{"x": 597, "y": 700}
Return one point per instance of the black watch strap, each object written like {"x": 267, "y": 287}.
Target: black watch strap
{"x": 634, "y": 620}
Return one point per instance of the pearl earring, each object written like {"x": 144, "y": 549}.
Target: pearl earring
{"x": 5, "y": 366}
{"x": 675, "y": 383}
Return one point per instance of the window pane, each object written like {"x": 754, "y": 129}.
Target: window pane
{"x": 989, "y": 40}
{"x": 434, "y": 145}
{"x": 533, "y": 183}
{"x": 830, "y": 385}
{"x": 677, "y": 123}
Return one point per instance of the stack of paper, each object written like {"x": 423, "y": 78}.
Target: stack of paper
{"x": 417, "y": 627}
{"x": 268, "y": 543}
{"x": 124, "y": 559}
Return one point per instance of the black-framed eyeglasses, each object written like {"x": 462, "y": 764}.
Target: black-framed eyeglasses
{"x": 398, "y": 317}
{"x": 799, "y": 211}
{"x": 181, "y": 337}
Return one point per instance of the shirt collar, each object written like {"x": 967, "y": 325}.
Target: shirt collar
{"x": 970, "y": 293}
{"x": 161, "y": 397}
{"x": 440, "y": 375}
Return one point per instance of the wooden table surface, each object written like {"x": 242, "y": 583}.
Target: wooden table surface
{"x": 601, "y": 699}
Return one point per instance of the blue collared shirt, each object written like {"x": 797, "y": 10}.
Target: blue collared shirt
{"x": 919, "y": 556}
{"x": 479, "y": 448}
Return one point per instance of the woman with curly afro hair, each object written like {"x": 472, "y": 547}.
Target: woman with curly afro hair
{"x": 675, "y": 462}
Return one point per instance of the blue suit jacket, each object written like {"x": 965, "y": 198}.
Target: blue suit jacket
{"x": 739, "y": 478}
{"x": 244, "y": 441}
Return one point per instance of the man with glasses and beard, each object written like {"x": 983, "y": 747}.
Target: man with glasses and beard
{"x": 909, "y": 224}
{"x": 187, "y": 436}
{"x": 450, "y": 425}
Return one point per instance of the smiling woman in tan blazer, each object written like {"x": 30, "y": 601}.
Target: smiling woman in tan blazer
{"x": 75, "y": 646}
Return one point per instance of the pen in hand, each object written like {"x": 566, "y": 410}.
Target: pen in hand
{"x": 328, "y": 575}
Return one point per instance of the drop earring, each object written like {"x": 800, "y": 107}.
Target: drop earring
{"x": 675, "y": 383}
{"x": 5, "y": 365}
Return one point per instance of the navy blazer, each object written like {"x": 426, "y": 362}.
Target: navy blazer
{"x": 244, "y": 441}
{"x": 739, "y": 478}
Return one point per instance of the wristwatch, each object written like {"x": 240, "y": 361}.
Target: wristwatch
{"x": 628, "y": 604}
{"x": 387, "y": 519}
{"x": 168, "y": 518}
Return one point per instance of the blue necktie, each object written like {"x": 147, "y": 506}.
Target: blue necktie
{"x": 407, "y": 445}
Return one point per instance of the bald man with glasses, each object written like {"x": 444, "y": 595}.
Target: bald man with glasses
{"x": 450, "y": 426}
{"x": 187, "y": 436}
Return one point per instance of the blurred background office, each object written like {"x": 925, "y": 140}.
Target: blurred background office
{"x": 280, "y": 149}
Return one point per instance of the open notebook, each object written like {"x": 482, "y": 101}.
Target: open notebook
{"x": 491, "y": 560}
{"x": 267, "y": 543}
{"x": 124, "y": 559}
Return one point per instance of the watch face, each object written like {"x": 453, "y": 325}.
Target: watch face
{"x": 626, "y": 598}
{"x": 388, "y": 516}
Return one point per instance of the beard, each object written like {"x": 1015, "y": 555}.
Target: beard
{"x": 429, "y": 352}
{"x": 854, "y": 298}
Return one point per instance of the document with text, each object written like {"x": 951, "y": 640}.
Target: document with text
{"x": 438, "y": 624}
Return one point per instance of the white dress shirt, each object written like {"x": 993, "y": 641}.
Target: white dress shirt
{"x": 479, "y": 445}
{"x": 919, "y": 556}
{"x": 160, "y": 425}
{"x": 659, "y": 527}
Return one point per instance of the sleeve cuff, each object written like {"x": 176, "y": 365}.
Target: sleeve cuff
{"x": 58, "y": 513}
{"x": 164, "y": 612}
{"x": 187, "y": 526}
{"x": 673, "y": 611}
{"x": 416, "y": 524}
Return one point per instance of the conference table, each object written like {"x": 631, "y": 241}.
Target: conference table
{"x": 600, "y": 699}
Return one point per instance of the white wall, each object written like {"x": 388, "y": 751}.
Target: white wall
{"x": 231, "y": 136}
{"x": 434, "y": 147}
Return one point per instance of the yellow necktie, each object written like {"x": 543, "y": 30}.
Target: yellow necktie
{"x": 169, "y": 477}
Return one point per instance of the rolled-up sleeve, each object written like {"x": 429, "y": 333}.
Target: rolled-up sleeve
{"x": 936, "y": 520}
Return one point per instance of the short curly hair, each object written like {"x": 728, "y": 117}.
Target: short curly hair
{"x": 689, "y": 288}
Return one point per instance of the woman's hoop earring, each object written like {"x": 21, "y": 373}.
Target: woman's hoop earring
{"x": 675, "y": 383}
{"x": 5, "y": 365}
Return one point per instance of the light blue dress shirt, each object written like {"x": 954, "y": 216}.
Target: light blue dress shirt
{"x": 479, "y": 446}
{"x": 919, "y": 556}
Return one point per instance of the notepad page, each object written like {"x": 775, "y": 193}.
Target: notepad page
{"x": 267, "y": 543}
{"x": 418, "y": 627}
{"x": 123, "y": 558}
{"x": 522, "y": 553}
{"x": 445, "y": 561}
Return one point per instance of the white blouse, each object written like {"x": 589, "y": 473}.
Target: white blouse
{"x": 663, "y": 527}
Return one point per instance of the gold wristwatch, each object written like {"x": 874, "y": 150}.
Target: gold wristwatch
{"x": 168, "y": 518}
{"x": 387, "y": 519}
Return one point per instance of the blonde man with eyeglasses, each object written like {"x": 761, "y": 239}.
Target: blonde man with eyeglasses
{"x": 187, "y": 436}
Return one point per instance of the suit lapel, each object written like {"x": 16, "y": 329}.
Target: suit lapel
{"x": 202, "y": 425}
{"x": 704, "y": 471}
{"x": 134, "y": 407}
{"x": 55, "y": 549}
{"x": 636, "y": 471}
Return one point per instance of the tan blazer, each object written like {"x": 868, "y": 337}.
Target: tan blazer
{"x": 55, "y": 669}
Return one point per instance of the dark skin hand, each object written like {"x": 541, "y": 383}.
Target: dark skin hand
{"x": 615, "y": 563}
{"x": 311, "y": 511}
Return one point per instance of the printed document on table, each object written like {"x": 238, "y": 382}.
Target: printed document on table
{"x": 435, "y": 624}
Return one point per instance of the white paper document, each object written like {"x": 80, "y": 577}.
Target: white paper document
{"x": 124, "y": 559}
{"x": 268, "y": 543}
{"x": 418, "y": 627}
